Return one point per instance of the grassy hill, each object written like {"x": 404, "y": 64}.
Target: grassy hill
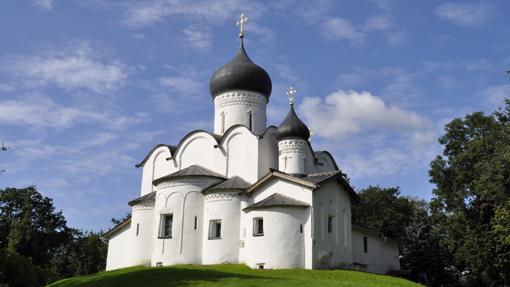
{"x": 229, "y": 275}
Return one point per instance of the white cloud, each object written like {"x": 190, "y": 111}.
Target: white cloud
{"x": 42, "y": 112}
{"x": 138, "y": 14}
{"x": 343, "y": 113}
{"x": 465, "y": 14}
{"x": 369, "y": 137}
{"x": 340, "y": 29}
{"x": 44, "y": 4}
{"x": 198, "y": 39}
{"x": 73, "y": 67}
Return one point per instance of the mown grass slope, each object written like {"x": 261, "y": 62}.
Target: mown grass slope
{"x": 229, "y": 275}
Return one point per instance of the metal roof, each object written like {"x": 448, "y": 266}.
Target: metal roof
{"x": 148, "y": 197}
{"x": 276, "y": 200}
{"x": 117, "y": 228}
{"x": 194, "y": 170}
{"x": 235, "y": 183}
{"x": 240, "y": 74}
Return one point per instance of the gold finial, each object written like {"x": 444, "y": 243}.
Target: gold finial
{"x": 291, "y": 93}
{"x": 240, "y": 23}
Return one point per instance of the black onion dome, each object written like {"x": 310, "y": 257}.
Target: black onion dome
{"x": 240, "y": 74}
{"x": 292, "y": 127}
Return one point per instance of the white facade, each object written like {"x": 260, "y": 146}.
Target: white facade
{"x": 293, "y": 209}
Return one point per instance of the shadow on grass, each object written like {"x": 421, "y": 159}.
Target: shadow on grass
{"x": 159, "y": 276}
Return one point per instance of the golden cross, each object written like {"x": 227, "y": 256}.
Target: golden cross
{"x": 291, "y": 93}
{"x": 240, "y": 23}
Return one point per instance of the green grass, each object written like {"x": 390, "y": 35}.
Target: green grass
{"x": 229, "y": 275}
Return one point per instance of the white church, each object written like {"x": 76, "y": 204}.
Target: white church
{"x": 246, "y": 193}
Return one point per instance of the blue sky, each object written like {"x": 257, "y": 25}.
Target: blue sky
{"x": 88, "y": 87}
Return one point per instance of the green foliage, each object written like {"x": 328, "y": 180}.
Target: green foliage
{"x": 230, "y": 275}
{"x": 470, "y": 207}
{"x": 408, "y": 221}
{"x": 30, "y": 225}
{"x": 17, "y": 271}
{"x": 383, "y": 210}
{"x": 36, "y": 240}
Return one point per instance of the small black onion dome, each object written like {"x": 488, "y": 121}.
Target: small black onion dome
{"x": 292, "y": 127}
{"x": 240, "y": 74}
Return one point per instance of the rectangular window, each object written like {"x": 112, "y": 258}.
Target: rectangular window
{"x": 137, "y": 228}
{"x": 196, "y": 221}
{"x": 258, "y": 226}
{"x": 215, "y": 229}
{"x": 165, "y": 228}
{"x": 330, "y": 223}
{"x": 365, "y": 244}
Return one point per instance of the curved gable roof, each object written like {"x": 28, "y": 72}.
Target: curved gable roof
{"x": 218, "y": 138}
{"x": 171, "y": 148}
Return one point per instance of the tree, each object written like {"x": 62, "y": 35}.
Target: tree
{"x": 30, "y": 225}
{"x": 383, "y": 210}
{"x": 471, "y": 197}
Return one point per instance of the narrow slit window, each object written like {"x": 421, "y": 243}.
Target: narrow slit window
{"x": 301, "y": 228}
{"x": 365, "y": 244}
{"x": 222, "y": 122}
{"x": 137, "y": 228}
{"x": 196, "y": 223}
{"x": 250, "y": 120}
{"x": 215, "y": 229}
{"x": 165, "y": 229}
{"x": 331, "y": 220}
{"x": 258, "y": 226}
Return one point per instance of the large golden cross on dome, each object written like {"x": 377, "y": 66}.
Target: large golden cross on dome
{"x": 291, "y": 93}
{"x": 240, "y": 23}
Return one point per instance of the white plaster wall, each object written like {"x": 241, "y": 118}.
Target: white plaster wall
{"x": 287, "y": 189}
{"x": 239, "y": 161}
{"x": 233, "y": 107}
{"x": 224, "y": 206}
{"x": 268, "y": 152}
{"x": 120, "y": 250}
{"x": 198, "y": 149}
{"x": 143, "y": 216}
{"x": 156, "y": 166}
{"x": 373, "y": 256}
{"x": 182, "y": 198}
{"x": 282, "y": 245}
{"x": 295, "y": 157}
{"x": 332, "y": 249}
{"x": 381, "y": 255}
{"x": 283, "y": 187}
{"x": 390, "y": 255}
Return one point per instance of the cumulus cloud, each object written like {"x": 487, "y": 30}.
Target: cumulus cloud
{"x": 369, "y": 137}
{"x": 340, "y": 29}
{"x": 37, "y": 111}
{"x": 346, "y": 112}
{"x": 465, "y": 14}
{"x": 73, "y": 67}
